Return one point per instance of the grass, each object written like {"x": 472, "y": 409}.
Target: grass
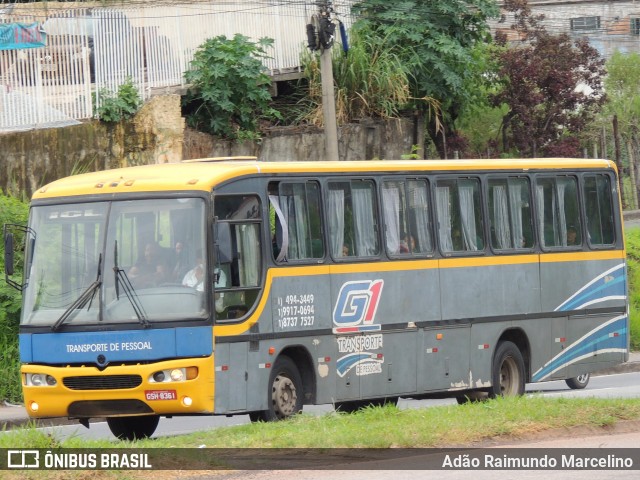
{"x": 453, "y": 425}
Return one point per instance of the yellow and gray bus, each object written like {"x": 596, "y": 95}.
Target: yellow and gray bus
{"x": 236, "y": 286}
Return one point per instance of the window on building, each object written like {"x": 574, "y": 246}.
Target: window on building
{"x": 585, "y": 23}
{"x": 635, "y": 26}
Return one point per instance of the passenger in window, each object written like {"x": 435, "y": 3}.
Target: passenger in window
{"x": 345, "y": 250}
{"x": 195, "y": 278}
{"x": 182, "y": 263}
{"x": 151, "y": 269}
{"x": 456, "y": 239}
{"x": 572, "y": 236}
{"x": 408, "y": 244}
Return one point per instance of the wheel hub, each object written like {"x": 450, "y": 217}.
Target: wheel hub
{"x": 508, "y": 377}
{"x": 284, "y": 396}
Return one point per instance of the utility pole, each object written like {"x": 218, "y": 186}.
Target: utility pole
{"x": 326, "y": 35}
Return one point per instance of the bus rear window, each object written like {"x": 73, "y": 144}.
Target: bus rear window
{"x": 599, "y": 210}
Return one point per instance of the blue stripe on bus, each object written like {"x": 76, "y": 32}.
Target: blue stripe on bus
{"x": 610, "y": 337}
{"x": 346, "y": 363}
{"x": 116, "y": 346}
{"x": 611, "y": 283}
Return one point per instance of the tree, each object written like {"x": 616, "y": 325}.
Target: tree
{"x": 551, "y": 85}
{"x": 623, "y": 103}
{"x": 435, "y": 42}
{"x": 229, "y": 91}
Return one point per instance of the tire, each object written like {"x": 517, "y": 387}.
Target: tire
{"x": 133, "y": 428}
{"x": 507, "y": 371}
{"x": 285, "y": 392}
{"x": 355, "y": 405}
{"x": 255, "y": 417}
{"x": 579, "y": 382}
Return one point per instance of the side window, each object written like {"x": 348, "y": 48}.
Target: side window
{"x": 510, "y": 213}
{"x": 405, "y": 206}
{"x": 459, "y": 215}
{"x": 599, "y": 210}
{"x": 351, "y": 219}
{"x": 296, "y": 224}
{"x": 558, "y": 212}
{"x": 237, "y": 277}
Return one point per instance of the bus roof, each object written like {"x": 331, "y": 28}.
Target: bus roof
{"x": 205, "y": 174}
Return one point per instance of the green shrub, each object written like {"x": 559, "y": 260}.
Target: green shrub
{"x": 122, "y": 105}
{"x": 370, "y": 80}
{"x": 12, "y": 210}
{"x": 229, "y": 88}
{"x": 632, "y": 238}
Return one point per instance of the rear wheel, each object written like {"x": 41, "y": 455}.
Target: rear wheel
{"x": 579, "y": 382}
{"x": 133, "y": 428}
{"x": 285, "y": 392}
{"x": 507, "y": 372}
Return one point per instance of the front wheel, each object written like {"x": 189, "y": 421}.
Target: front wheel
{"x": 133, "y": 428}
{"x": 285, "y": 392}
{"x": 579, "y": 382}
{"x": 507, "y": 372}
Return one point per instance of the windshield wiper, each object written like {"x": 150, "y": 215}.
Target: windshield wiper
{"x": 121, "y": 277}
{"x": 82, "y": 300}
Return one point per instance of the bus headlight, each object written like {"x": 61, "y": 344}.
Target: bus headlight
{"x": 39, "y": 380}
{"x": 173, "y": 375}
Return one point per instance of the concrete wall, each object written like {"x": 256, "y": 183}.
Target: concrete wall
{"x": 34, "y": 158}
{"x": 366, "y": 140}
{"x": 157, "y": 134}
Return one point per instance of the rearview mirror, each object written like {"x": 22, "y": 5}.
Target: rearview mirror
{"x": 14, "y": 237}
{"x": 8, "y": 253}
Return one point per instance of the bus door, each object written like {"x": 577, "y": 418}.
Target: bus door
{"x": 237, "y": 284}
{"x": 231, "y": 376}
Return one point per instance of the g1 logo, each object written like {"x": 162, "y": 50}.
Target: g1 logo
{"x": 356, "y": 307}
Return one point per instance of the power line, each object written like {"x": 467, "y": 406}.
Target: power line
{"x": 200, "y": 9}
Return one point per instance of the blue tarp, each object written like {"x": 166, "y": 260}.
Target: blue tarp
{"x": 16, "y": 36}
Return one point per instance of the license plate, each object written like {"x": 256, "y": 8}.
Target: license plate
{"x": 160, "y": 394}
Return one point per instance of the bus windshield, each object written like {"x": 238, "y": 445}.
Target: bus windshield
{"x": 135, "y": 261}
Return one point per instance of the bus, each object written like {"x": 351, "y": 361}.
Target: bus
{"x": 237, "y": 286}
